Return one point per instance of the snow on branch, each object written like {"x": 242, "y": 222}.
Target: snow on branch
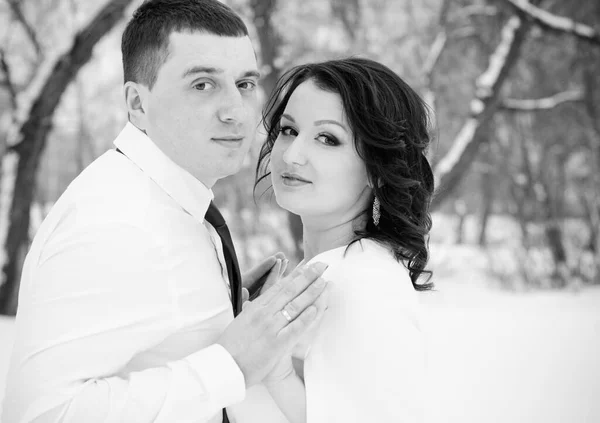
{"x": 473, "y": 10}
{"x": 455, "y": 164}
{"x": 435, "y": 52}
{"x": 556, "y": 23}
{"x": 545, "y": 103}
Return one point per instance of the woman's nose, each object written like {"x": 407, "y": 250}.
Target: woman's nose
{"x": 295, "y": 154}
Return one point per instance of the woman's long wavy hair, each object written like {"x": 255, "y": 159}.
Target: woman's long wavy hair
{"x": 390, "y": 124}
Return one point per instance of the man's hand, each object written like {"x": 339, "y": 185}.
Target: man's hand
{"x": 261, "y": 334}
{"x": 262, "y": 276}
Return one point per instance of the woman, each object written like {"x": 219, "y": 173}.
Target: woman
{"x": 345, "y": 150}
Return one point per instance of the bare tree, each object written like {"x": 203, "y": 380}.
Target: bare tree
{"x": 474, "y": 132}
{"x": 454, "y": 166}
{"x": 270, "y": 40}
{"x": 552, "y": 22}
{"x": 33, "y": 134}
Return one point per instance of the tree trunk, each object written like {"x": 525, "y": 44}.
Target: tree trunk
{"x": 590, "y": 78}
{"x": 270, "y": 41}
{"x": 455, "y": 164}
{"x": 33, "y": 136}
{"x": 554, "y": 237}
{"x": 487, "y": 192}
{"x": 461, "y": 212}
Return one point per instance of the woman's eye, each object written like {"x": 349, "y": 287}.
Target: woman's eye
{"x": 288, "y": 131}
{"x": 204, "y": 86}
{"x": 327, "y": 139}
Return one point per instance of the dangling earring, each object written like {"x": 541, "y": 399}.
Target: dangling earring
{"x": 376, "y": 211}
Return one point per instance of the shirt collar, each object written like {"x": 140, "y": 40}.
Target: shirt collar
{"x": 191, "y": 194}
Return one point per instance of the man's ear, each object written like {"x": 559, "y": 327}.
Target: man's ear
{"x": 136, "y": 97}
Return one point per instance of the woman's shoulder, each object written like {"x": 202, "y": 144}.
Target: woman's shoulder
{"x": 367, "y": 276}
{"x": 373, "y": 256}
{"x": 366, "y": 262}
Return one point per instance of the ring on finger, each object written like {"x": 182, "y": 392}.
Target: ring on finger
{"x": 286, "y": 314}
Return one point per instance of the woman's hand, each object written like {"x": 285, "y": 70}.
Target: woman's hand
{"x": 261, "y": 277}
{"x": 282, "y": 370}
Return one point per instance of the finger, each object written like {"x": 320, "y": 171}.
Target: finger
{"x": 284, "y": 266}
{"x": 280, "y": 255}
{"x": 258, "y": 286}
{"x": 270, "y": 293}
{"x": 291, "y": 334}
{"x": 291, "y": 289}
{"x": 322, "y": 304}
{"x": 273, "y": 275}
{"x": 245, "y": 295}
{"x": 251, "y": 276}
{"x": 293, "y": 309}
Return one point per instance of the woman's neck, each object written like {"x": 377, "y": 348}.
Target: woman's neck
{"x": 319, "y": 236}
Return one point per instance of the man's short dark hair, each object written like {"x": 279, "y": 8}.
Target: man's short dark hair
{"x": 145, "y": 42}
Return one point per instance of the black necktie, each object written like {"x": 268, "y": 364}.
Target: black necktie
{"x": 214, "y": 217}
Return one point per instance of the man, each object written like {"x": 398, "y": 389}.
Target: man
{"x": 125, "y": 312}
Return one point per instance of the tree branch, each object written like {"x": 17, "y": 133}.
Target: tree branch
{"x": 556, "y": 23}
{"x": 523, "y": 105}
{"x": 15, "y": 6}
{"x": 269, "y": 39}
{"x": 472, "y": 10}
{"x": 434, "y": 54}
{"x": 67, "y": 65}
{"x": 7, "y": 82}
{"x": 454, "y": 165}
{"x": 348, "y": 12}
{"x": 33, "y": 134}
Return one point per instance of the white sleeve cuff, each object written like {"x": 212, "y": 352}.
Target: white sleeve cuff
{"x": 220, "y": 375}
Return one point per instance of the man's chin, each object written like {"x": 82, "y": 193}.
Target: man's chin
{"x": 233, "y": 168}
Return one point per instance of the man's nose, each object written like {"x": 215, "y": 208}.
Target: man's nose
{"x": 232, "y": 109}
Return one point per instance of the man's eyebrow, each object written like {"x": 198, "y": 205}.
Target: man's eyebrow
{"x": 252, "y": 73}
{"x": 212, "y": 70}
{"x": 201, "y": 69}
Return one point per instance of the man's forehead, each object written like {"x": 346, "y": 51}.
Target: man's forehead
{"x": 212, "y": 50}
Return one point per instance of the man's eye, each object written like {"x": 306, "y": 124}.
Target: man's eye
{"x": 247, "y": 85}
{"x": 288, "y": 131}
{"x": 204, "y": 86}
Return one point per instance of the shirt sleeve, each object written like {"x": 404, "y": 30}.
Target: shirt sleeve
{"x": 368, "y": 361}
{"x": 95, "y": 300}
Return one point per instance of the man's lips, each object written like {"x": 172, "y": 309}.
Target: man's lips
{"x": 231, "y": 141}
{"x": 229, "y": 138}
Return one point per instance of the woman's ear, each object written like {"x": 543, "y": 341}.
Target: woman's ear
{"x": 370, "y": 183}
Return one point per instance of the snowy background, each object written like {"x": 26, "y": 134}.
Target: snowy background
{"x": 496, "y": 355}
{"x": 507, "y": 344}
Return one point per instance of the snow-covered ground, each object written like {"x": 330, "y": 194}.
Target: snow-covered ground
{"x": 515, "y": 357}
{"x": 498, "y": 357}
{"x": 7, "y": 335}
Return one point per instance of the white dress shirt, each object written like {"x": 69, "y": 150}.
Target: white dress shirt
{"x": 366, "y": 362}
{"x": 123, "y": 295}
